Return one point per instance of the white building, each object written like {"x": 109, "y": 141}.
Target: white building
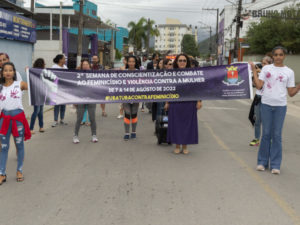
{"x": 252, "y": 12}
{"x": 171, "y": 35}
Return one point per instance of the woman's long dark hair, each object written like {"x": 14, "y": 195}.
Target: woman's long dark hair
{"x": 158, "y": 64}
{"x": 136, "y": 62}
{"x": 188, "y": 61}
{"x": 2, "y": 79}
{"x": 39, "y": 63}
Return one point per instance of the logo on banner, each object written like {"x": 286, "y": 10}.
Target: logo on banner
{"x": 232, "y": 78}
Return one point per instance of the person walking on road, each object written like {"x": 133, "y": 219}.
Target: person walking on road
{"x": 91, "y": 108}
{"x": 12, "y": 119}
{"x": 256, "y": 104}
{"x": 131, "y": 109}
{"x": 59, "y": 63}
{"x": 38, "y": 110}
{"x": 183, "y": 122}
{"x": 276, "y": 80}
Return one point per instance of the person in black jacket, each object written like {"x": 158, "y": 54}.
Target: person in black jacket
{"x": 155, "y": 58}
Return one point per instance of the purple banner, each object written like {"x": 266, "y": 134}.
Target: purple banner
{"x": 51, "y": 87}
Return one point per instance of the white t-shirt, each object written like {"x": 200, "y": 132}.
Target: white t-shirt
{"x": 55, "y": 66}
{"x": 276, "y": 81}
{"x": 11, "y": 97}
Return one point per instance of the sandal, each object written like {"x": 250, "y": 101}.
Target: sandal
{"x": 104, "y": 114}
{"x": 185, "y": 151}
{"x": 20, "y": 177}
{"x": 2, "y": 179}
{"x": 176, "y": 151}
{"x": 42, "y": 130}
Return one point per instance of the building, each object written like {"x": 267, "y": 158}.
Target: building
{"x": 17, "y": 35}
{"x": 252, "y": 12}
{"x": 96, "y": 34}
{"x": 171, "y": 35}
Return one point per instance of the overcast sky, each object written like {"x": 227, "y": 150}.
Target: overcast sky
{"x": 187, "y": 11}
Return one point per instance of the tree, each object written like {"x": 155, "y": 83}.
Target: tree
{"x": 118, "y": 55}
{"x": 151, "y": 31}
{"x": 274, "y": 31}
{"x": 141, "y": 32}
{"x": 137, "y": 33}
{"x": 189, "y": 45}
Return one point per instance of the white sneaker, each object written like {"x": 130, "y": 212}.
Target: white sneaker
{"x": 275, "y": 171}
{"x": 76, "y": 140}
{"x": 54, "y": 124}
{"x": 94, "y": 139}
{"x": 120, "y": 116}
{"x": 260, "y": 168}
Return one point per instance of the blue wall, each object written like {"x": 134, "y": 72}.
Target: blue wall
{"x": 89, "y": 8}
{"x": 19, "y": 52}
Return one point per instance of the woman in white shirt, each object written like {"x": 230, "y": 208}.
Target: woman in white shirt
{"x": 277, "y": 80}
{"x": 60, "y": 62}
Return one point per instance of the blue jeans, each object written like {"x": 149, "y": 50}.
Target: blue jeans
{"x": 37, "y": 112}
{"x": 5, "y": 143}
{"x": 270, "y": 149}
{"x": 257, "y": 125}
{"x": 62, "y": 109}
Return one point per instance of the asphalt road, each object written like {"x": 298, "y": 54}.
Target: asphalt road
{"x": 114, "y": 182}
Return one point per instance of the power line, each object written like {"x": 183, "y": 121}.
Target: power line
{"x": 151, "y": 8}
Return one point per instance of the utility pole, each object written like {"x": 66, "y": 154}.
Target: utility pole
{"x": 32, "y": 6}
{"x": 148, "y": 38}
{"x": 237, "y": 32}
{"x": 80, "y": 28}
{"x": 217, "y": 30}
{"x": 60, "y": 28}
{"x": 112, "y": 47}
{"x": 210, "y": 35}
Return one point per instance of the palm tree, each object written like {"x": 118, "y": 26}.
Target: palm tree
{"x": 137, "y": 33}
{"x": 151, "y": 31}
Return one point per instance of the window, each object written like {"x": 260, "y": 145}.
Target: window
{"x": 94, "y": 12}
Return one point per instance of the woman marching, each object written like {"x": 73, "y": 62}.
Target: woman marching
{"x": 38, "y": 110}
{"x": 276, "y": 80}
{"x": 12, "y": 119}
{"x": 91, "y": 108}
{"x": 183, "y": 122}
{"x": 59, "y": 63}
{"x": 131, "y": 109}
{"x": 256, "y": 104}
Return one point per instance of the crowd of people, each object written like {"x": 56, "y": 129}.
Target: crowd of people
{"x": 273, "y": 83}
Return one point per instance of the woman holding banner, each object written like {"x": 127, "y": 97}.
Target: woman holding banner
{"x": 38, "y": 110}
{"x": 91, "y": 108}
{"x": 183, "y": 122}
{"x": 131, "y": 109}
{"x": 277, "y": 80}
{"x": 59, "y": 63}
{"x": 12, "y": 120}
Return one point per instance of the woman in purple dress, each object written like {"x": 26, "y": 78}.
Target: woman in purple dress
{"x": 183, "y": 122}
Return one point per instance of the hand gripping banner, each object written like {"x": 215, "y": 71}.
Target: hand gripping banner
{"x": 56, "y": 87}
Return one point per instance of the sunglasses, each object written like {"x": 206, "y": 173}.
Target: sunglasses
{"x": 182, "y": 60}
{"x": 170, "y": 64}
